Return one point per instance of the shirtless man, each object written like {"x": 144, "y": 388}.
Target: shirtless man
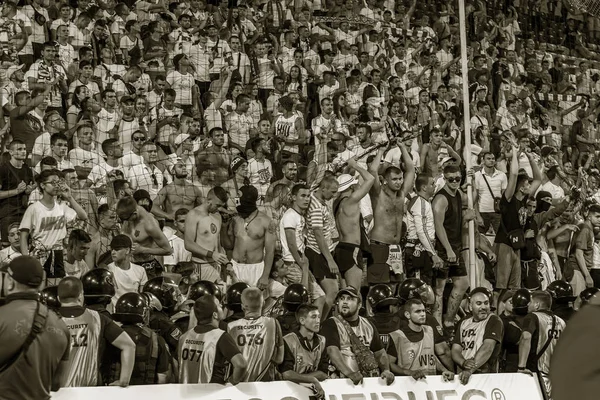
{"x": 215, "y": 156}
{"x": 203, "y": 236}
{"x": 388, "y": 209}
{"x": 239, "y": 168}
{"x": 430, "y": 154}
{"x": 252, "y": 236}
{"x": 178, "y": 194}
{"x": 99, "y": 253}
{"x": 348, "y": 253}
{"x": 144, "y": 231}
{"x": 290, "y": 175}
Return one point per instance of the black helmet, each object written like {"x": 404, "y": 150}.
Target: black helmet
{"x": 295, "y": 295}
{"x": 201, "y": 288}
{"x": 586, "y": 295}
{"x": 132, "y": 308}
{"x": 98, "y": 285}
{"x": 410, "y": 288}
{"x": 561, "y": 292}
{"x": 381, "y": 295}
{"x": 49, "y": 297}
{"x": 520, "y": 301}
{"x": 165, "y": 289}
{"x": 233, "y": 299}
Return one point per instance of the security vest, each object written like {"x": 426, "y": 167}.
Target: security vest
{"x": 546, "y": 331}
{"x": 146, "y": 355}
{"x": 196, "y": 355}
{"x": 85, "y": 346}
{"x": 415, "y": 356}
{"x": 364, "y": 331}
{"x": 257, "y": 340}
{"x": 306, "y": 361}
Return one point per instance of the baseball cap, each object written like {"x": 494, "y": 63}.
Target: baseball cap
{"x": 12, "y": 69}
{"x": 26, "y": 270}
{"x": 127, "y": 99}
{"x": 350, "y": 291}
{"x": 236, "y": 163}
{"x": 345, "y": 181}
{"x": 120, "y": 242}
{"x": 446, "y": 159}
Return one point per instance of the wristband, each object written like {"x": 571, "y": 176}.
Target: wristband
{"x": 209, "y": 254}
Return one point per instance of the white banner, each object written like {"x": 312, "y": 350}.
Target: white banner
{"x": 480, "y": 387}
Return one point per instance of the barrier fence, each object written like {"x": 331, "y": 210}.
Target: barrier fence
{"x": 480, "y": 387}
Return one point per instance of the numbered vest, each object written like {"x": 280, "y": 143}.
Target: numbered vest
{"x": 256, "y": 339}
{"x": 544, "y": 332}
{"x": 471, "y": 336}
{"x": 364, "y": 331}
{"x": 415, "y": 356}
{"x": 305, "y": 361}
{"x": 83, "y": 358}
{"x": 196, "y": 355}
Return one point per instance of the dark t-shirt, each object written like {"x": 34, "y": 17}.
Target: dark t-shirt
{"x": 289, "y": 359}
{"x": 25, "y": 128}
{"x": 10, "y": 177}
{"x": 414, "y": 336}
{"x": 513, "y": 215}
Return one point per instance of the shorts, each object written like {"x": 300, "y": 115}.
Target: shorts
{"x": 457, "y": 269}
{"x": 295, "y": 276}
{"x": 207, "y": 272}
{"x": 508, "y": 267}
{"x": 347, "y": 255}
{"x": 378, "y": 270}
{"x": 153, "y": 267}
{"x": 318, "y": 265}
{"x": 248, "y": 273}
{"x": 418, "y": 262}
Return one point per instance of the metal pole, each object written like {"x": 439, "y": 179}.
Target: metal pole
{"x": 474, "y": 277}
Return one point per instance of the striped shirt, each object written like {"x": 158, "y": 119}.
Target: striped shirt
{"x": 320, "y": 216}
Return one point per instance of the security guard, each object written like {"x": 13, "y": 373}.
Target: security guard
{"x": 233, "y": 301}
{"x": 541, "y": 331}
{"x": 49, "y": 297}
{"x": 167, "y": 292}
{"x": 151, "y": 351}
{"x": 516, "y": 305}
{"x": 98, "y": 290}
{"x": 294, "y": 296}
{"x": 384, "y": 306}
{"x": 562, "y": 299}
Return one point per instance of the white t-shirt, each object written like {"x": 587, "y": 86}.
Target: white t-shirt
{"x": 127, "y": 280}
{"x": 47, "y": 226}
{"x": 179, "y": 252}
{"x": 182, "y": 84}
{"x": 292, "y": 220}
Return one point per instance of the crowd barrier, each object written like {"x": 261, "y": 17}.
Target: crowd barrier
{"x": 480, "y": 387}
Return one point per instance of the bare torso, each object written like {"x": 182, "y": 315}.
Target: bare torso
{"x": 249, "y": 234}
{"x": 207, "y": 228}
{"x": 137, "y": 231}
{"x": 431, "y": 161}
{"x": 181, "y": 196}
{"x": 348, "y": 222}
{"x": 388, "y": 210}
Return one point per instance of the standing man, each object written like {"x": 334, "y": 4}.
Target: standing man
{"x": 305, "y": 355}
{"x": 348, "y": 334}
{"x": 144, "y": 231}
{"x": 490, "y": 185}
{"x": 415, "y": 346}
{"x": 252, "y": 236}
{"x": 478, "y": 337}
{"x": 348, "y": 253}
{"x": 541, "y": 330}
{"x": 290, "y": 175}
{"x": 513, "y": 217}
{"x": 90, "y": 332}
{"x": 147, "y": 175}
{"x": 259, "y": 338}
{"x": 388, "y": 210}
{"x": 215, "y": 157}
{"x": 448, "y": 220}
{"x": 32, "y": 363}
{"x": 16, "y": 183}
{"x": 205, "y": 350}
{"x": 203, "y": 236}
{"x": 180, "y": 193}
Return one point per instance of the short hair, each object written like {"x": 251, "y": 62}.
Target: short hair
{"x": 220, "y": 194}
{"x": 204, "y": 307}
{"x": 412, "y": 302}
{"x": 391, "y": 170}
{"x": 278, "y": 189}
{"x": 50, "y": 114}
{"x": 79, "y": 236}
{"x": 44, "y": 175}
{"x": 212, "y": 131}
{"x": 15, "y": 142}
{"x": 421, "y": 181}
{"x": 49, "y": 161}
{"x": 171, "y": 93}
{"x": 451, "y": 169}
{"x": 252, "y": 299}
{"x": 594, "y": 208}
{"x": 367, "y": 127}
{"x": 85, "y": 124}
{"x": 181, "y": 211}
{"x": 328, "y": 181}
{"x": 108, "y": 144}
{"x": 107, "y": 91}
{"x": 298, "y": 187}
{"x": 241, "y": 97}
{"x": 58, "y": 136}
{"x": 256, "y": 142}
{"x": 126, "y": 205}
{"x": 305, "y": 309}
{"x": 69, "y": 289}
{"x": 103, "y": 209}
{"x": 542, "y": 297}
{"x": 119, "y": 184}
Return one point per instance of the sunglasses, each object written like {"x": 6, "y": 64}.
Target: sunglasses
{"x": 139, "y": 139}
{"x": 453, "y": 180}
